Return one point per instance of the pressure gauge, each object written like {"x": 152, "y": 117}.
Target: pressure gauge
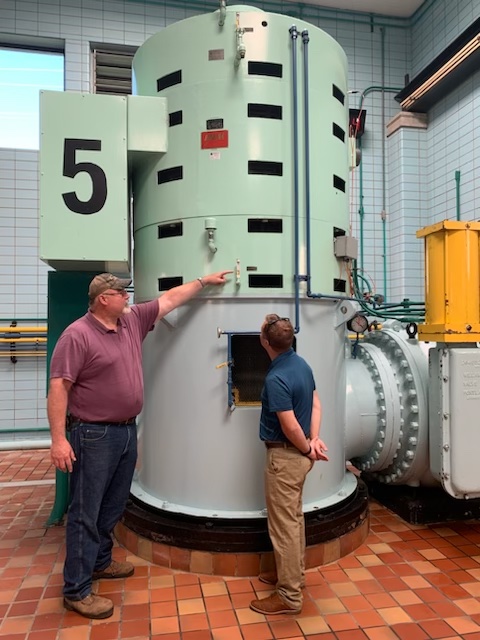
{"x": 358, "y": 324}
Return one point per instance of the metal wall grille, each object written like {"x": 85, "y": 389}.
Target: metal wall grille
{"x": 112, "y": 70}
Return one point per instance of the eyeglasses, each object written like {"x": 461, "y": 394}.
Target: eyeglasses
{"x": 273, "y": 319}
{"x": 120, "y": 292}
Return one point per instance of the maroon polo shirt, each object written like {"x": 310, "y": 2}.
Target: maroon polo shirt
{"x": 105, "y": 366}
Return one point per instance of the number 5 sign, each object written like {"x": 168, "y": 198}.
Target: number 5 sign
{"x": 85, "y": 140}
{"x": 84, "y": 210}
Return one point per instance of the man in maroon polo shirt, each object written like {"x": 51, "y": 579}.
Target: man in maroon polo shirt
{"x": 96, "y": 375}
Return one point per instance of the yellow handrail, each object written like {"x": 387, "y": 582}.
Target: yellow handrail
{"x": 24, "y": 340}
{"x": 23, "y": 329}
{"x": 16, "y": 354}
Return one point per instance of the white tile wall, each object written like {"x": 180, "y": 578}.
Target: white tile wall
{"x": 451, "y": 144}
{"x": 436, "y": 26}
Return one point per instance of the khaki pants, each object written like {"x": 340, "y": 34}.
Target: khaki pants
{"x": 285, "y": 473}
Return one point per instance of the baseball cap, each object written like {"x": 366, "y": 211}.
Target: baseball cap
{"x": 105, "y": 281}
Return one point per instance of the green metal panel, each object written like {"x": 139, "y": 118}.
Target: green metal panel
{"x": 67, "y": 301}
{"x": 147, "y": 124}
{"x": 84, "y": 208}
{"x": 216, "y": 182}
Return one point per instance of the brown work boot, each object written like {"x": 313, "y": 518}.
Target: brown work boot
{"x": 115, "y": 570}
{"x": 92, "y": 606}
{"x": 273, "y": 606}
{"x": 270, "y": 577}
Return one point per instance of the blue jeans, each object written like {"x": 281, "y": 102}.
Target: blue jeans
{"x": 99, "y": 490}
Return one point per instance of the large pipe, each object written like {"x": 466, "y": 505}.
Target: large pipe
{"x": 12, "y": 445}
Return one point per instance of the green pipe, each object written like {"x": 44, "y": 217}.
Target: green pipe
{"x": 361, "y": 211}
{"x": 384, "y": 245}
{"x": 62, "y": 493}
{"x": 365, "y": 281}
{"x": 404, "y": 314}
{"x": 457, "y": 193}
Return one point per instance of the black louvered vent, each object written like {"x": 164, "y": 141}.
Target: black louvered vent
{"x": 265, "y": 225}
{"x": 338, "y": 183}
{"x": 338, "y": 94}
{"x": 170, "y": 230}
{"x": 175, "y": 118}
{"x": 170, "y": 80}
{"x": 271, "y": 69}
{"x": 261, "y": 168}
{"x": 169, "y": 175}
{"x": 338, "y": 132}
{"x": 164, "y": 284}
{"x": 265, "y": 281}
{"x": 272, "y": 111}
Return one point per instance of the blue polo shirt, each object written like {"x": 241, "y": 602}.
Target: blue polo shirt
{"x": 289, "y": 385}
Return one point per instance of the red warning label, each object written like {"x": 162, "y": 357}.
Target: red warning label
{"x": 215, "y": 139}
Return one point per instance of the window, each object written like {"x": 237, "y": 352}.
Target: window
{"x": 23, "y": 73}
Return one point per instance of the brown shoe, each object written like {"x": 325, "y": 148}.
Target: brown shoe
{"x": 272, "y": 606}
{"x": 115, "y": 570}
{"x": 270, "y": 577}
{"x": 92, "y": 606}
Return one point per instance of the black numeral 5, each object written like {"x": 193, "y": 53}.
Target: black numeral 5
{"x": 99, "y": 180}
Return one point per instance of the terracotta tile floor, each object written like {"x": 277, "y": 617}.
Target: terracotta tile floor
{"x": 406, "y": 582}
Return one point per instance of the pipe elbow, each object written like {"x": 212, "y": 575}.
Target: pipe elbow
{"x": 223, "y": 13}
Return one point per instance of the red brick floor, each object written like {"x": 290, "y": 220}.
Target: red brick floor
{"x": 406, "y": 582}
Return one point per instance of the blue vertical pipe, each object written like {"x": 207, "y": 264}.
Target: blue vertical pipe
{"x": 306, "y": 102}
{"x": 294, "y": 35}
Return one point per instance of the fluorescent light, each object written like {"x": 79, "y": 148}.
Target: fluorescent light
{"x": 442, "y": 73}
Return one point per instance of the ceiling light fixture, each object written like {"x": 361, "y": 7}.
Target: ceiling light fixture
{"x": 461, "y": 56}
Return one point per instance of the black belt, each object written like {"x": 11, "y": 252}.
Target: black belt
{"x": 280, "y": 445}
{"x": 74, "y": 419}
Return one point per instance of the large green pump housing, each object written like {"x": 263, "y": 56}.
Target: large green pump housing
{"x": 223, "y": 194}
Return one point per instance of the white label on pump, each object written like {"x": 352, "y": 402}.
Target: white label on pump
{"x": 215, "y": 155}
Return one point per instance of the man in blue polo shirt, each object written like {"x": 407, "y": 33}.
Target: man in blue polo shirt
{"x": 289, "y": 426}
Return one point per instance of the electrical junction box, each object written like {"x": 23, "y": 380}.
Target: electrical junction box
{"x": 346, "y": 247}
{"x": 454, "y": 399}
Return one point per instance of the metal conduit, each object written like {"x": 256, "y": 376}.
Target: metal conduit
{"x": 294, "y": 35}
{"x": 28, "y": 341}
